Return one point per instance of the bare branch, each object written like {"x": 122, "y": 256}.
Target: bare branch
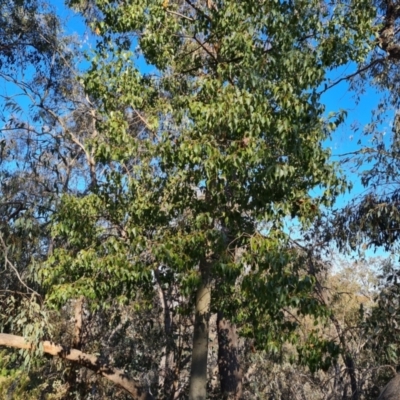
{"x": 114, "y": 375}
{"x": 179, "y": 15}
{"x": 350, "y": 76}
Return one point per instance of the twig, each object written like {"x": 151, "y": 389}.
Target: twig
{"x": 179, "y": 15}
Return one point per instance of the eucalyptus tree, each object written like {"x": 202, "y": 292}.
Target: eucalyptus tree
{"x": 44, "y": 116}
{"x": 372, "y": 219}
{"x": 39, "y": 91}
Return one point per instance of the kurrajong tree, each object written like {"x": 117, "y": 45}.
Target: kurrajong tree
{"x": 201, "y": 155}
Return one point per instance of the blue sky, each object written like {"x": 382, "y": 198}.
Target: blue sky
{"x": 346, "y": 139}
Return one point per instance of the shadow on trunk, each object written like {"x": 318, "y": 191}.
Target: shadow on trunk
{"x": 230, "y": 372}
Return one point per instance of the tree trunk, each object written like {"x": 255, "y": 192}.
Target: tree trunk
{"x": 118, "y": 377}
{"x": 212, "y": 361}
{"x": 74, "y": 384}
{"x": 392, "y": 390}
{"x": 198, "y": 372}
{"x": 78, "y": 328}
{"x": 230, "y": 372}
{"x": 348, "y": 360}
{"x": 166, "y": 374}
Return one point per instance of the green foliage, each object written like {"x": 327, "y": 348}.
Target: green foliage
{"x": 372, "y": 219}
{"x": 199, "y": 158}
{"x": 381, "y": 323}
{"x": 16, "y": 382}
{"x": 209, "y": 154}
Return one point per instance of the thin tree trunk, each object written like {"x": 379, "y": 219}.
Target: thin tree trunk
{"x": 349, "y": 362}
{"x": 73, "y": 382}
{"x": 166, "y": 375}
{"x": 198, "y": 373}
{"x": 212, "y": 361}
{"x": 230, "y": 373}
{"x": 118, "y": 377}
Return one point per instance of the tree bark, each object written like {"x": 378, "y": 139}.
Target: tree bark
{"x": 198, "y": 372}
{"x": 212, "y": 361}
{"x": 114, "y": 375}
{"x": 72, "y": 377}
{"x": 350, "y": 368}
{"x": 167, "y": 368}
{"x": 391, "y": 390}
{"x": 230, "y": 372}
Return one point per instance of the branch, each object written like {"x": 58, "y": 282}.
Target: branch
{"x": 12, "y": 266}
{"x": 348, "y": 77}
{"x": 198, "y": 10}
{"x": 205, "y": 47}
{"x": 179, "y": 15}
{"x": 114, "y": 375}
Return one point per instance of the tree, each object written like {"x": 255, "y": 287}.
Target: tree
{"x": 205, "y": 157}
{"x": 34, "y": 65}
{"x": 45, "y": 114}
{"x": 372, "y": 219}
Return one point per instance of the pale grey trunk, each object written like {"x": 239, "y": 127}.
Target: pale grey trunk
{"x": 74, "y": 384}
{"x": 166, "y": 375}
{"x": 198, "y": 373}
{"x": 77, "y": 341}
{"x": 392, "y": 390}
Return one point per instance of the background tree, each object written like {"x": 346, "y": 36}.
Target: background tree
{"x": 45, "y": 116}
{"x": 371, "y": 221}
